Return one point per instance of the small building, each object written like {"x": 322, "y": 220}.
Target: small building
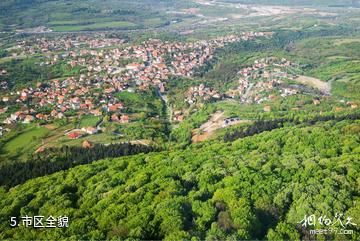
{"x": 124, "y": 119}
{"x": 87, "y": 144}
{"x": 90, "y": 130}
{"x": 28, "y": 119}
{"x": 115, "y": 118}
{"x": 133, "y": 66}
{"x": 316, "y": 102}
{"x": 74, "y": 135}
{"x": 267, "y": 108}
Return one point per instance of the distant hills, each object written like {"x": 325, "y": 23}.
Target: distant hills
{"x": 83, "y": 15}
{"x": 297, "y": 2}
{"x": 77, "y": 15}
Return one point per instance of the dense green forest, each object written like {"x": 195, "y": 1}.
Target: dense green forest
{"x": 258, "y": 187}
{"x": 57, "y": 159}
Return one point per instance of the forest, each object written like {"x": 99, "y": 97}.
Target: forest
{"x": 258, "y": 187}
{"x": 57, "y": 159}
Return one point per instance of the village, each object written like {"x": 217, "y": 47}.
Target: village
{"x": 107, "y": 72}
{"x": 128, "y": 68}
{"x": 264, "y": 79}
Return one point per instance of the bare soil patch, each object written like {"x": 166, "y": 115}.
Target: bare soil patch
{"x": 207, "y": 129}
{"x": 315, "y": 83}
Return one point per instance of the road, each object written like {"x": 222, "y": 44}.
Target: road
{"x": 169, "y": 111}
{"x": 248, "y": 90}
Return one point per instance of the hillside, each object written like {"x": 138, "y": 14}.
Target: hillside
{"x": 62, "y": 15}
{"x": 254, "y": 188}
{"x": 296, "y": 2}
{"x": 73, "y": 16}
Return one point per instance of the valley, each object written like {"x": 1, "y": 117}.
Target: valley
{"x": 179, "y": 120}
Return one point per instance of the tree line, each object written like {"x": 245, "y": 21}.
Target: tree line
{"x": 268, "y": 125}
{"x": 53, "y": 159}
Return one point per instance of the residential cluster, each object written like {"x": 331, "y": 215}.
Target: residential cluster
{"x": 43, "y": 45}
{"x": 202, "y": 92}
{"x": 108, "y": 71}
{"x": 264, "y": 79}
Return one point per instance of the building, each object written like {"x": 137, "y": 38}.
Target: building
{"x": 267, "y": 108}
{"x": 87, "y": 144}
{"x": 90, "y": 130}
{"x": 74, "y": 135}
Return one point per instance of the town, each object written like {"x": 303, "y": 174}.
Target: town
{"x": 105, "y": 72}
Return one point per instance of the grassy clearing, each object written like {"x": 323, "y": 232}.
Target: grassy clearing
{"x": 154, "y": 22}
{"x": 26, "y": 141}
{"x": 336, "y": 69}
{"x": 347, "y": 89}
{"x": 128, "y": 97}
{"x": 89, "y": 120}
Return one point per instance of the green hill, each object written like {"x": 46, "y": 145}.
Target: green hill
{"x": 259, "y": 187}
{"x": 63, "y": 15}
{"x": 76, "y": 15}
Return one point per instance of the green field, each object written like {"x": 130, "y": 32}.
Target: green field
{"x": 137, "y": 102}
{"x": 26, "y": 141}
{"x": 89, "y": 120}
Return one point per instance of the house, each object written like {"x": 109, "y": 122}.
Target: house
{"x": 54, "y": 113}
{"x": 96, "y": 112}
{"x": 74, "y": 135}
{"x": 180, "y": 118}
{"x": 40, "y": 116}
{"x": 115, "y": 118}
{"x": 15, "y": 116}
{"x": 87, "y": 144}
{"x": 133, "y": 66}
{"x": 119, "y": 105}
{"x": 60, "y": 115}
{"x": 3, "y": 110}
{"x": 28, "y": 119}
{"x": 352, "y": 105}
{"x": 112, "y": 108}
{"x": 316, "y": 102}
{"x": 90, "y": 130}
{"x": 8, "y": 121}
{"x": 124, "y": 119}
{"x": 267, "y": 108}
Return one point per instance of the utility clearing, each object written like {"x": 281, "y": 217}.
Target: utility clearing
{"x": 216, "y": 121}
